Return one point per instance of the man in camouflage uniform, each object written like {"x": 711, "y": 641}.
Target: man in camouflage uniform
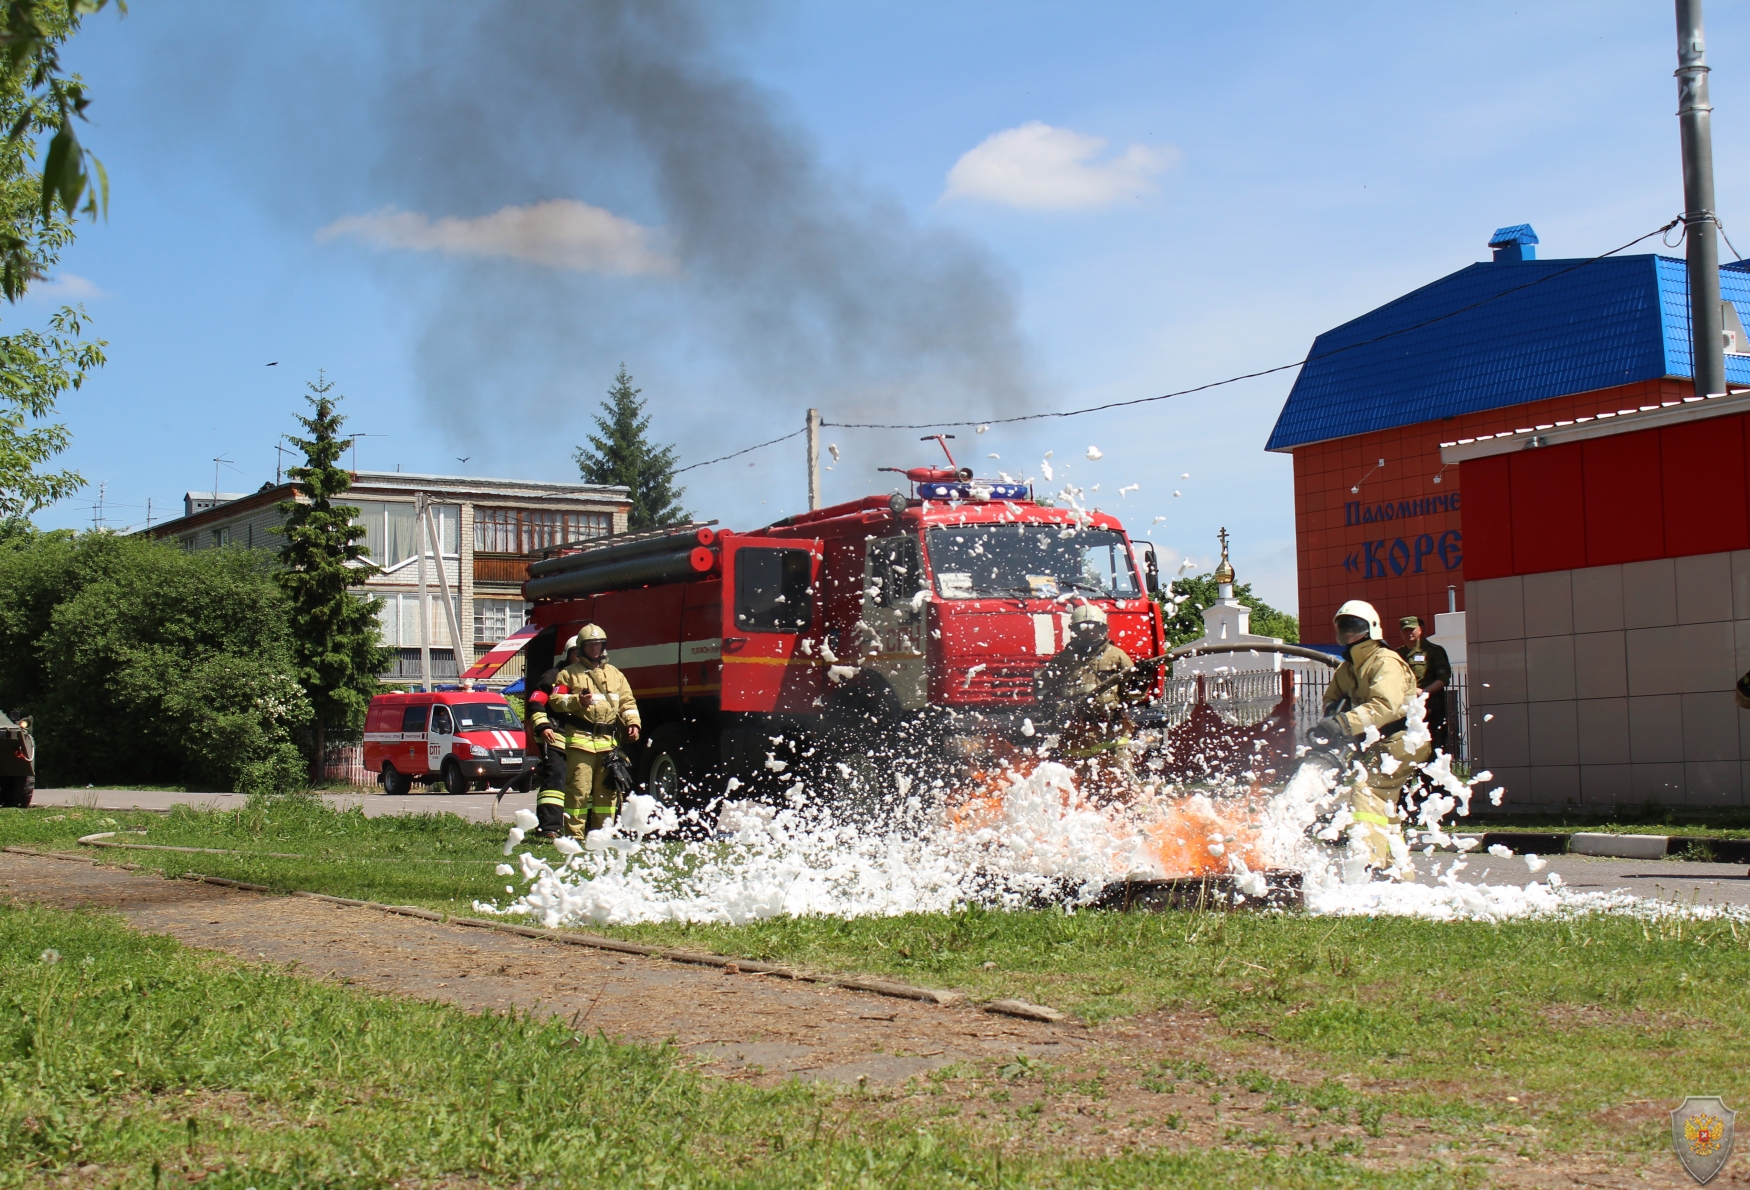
{"x": 1372, "y": 688}
{"x": 1433, "y": 670}
{"x": 591, "y": 702}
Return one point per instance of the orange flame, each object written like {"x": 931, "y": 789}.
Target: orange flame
{"x": 1186, "y": 834}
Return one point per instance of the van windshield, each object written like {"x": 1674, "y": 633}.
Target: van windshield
{"x": 486, "y": 716}
{"x": 1031, "y": 561}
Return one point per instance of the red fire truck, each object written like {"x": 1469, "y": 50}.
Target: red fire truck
{"x": 906, "y": 626}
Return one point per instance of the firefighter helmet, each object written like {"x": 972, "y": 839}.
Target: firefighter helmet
{"x": 1362, "y": 610}
{"x": 591, "y": 632}
{"x": 1086, "y": 613}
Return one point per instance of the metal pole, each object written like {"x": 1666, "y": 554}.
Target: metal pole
{"x": 1702, "y": 251}
{"x": 424, "y": 613}
{"x": 813, "y": 459}
{"x": 444, "y": 594}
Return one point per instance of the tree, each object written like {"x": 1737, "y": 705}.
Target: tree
{"x": 623, "y": 455}
{"x": 37, "y": 96}
{"x": 1185, "y": 599}
{"x": 141, "y": 662}
{"x": 35, "y": 369}
{"x": 323, "y": 560}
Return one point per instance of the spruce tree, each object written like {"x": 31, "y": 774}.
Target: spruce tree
{"x": 623, "y": 455}
{"x": 334, "y": 628}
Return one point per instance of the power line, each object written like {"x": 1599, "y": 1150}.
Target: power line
{"x": 739, "y": 453}
{"x": 1310, "y": 358}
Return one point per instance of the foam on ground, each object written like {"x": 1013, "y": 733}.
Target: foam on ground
{"x": 1025, "y": 838}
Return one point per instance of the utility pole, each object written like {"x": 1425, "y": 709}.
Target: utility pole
{"x": 1702, "y": 250}
{"x": 148, "y": 512}
{"x": 424, "y": 615}
{"x": 813, "y": 459}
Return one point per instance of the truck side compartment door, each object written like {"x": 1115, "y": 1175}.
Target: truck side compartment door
{"x": 894, "y": 618}
{"x": 772, "y": 625}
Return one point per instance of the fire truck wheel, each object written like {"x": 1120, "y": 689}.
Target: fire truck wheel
{"x": 393, "y": 781}
{"x": 455, "y": 780}
{"x": 664, "y": 780}
{"x": 17, "y": 791}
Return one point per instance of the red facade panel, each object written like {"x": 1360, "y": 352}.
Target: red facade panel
{"x": 1703, "y": 487}
{"x": 1548, "y": 505}
{"x": 1624, "y": 519}
{"x": 1488, "y": 518}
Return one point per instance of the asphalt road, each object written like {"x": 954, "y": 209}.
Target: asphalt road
{"x": 1664, "y": 879}
{"x": 476, "y": 807}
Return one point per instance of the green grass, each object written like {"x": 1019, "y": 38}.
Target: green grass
{"x": 1627, "y": 820}
{"x": 437, "y": 860}
{"x": 1574, "y": 1019}
{"x": 161, "y": 1065}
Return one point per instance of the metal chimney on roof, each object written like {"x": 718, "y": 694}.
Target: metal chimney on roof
{"x": 1513, "y": 244}
{"x": 1702, "y": 251}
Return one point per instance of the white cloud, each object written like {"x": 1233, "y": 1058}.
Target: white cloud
{"x": 561, "y": 233}
{"x": 1053, "y": 169}
{"x": 68, "y": 287}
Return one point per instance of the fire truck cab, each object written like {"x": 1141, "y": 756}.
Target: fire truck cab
{"x": 896, "y": 623}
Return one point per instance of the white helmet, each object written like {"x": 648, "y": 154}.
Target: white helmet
{"x": 1086, "y": 613}
{"x": 1363, "y": 610}
{"x": 570, "y": 644}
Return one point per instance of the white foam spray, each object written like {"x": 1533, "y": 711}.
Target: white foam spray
{"x": 1031, "y": 837}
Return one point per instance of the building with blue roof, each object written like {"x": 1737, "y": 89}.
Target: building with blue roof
{"x": 1516, "y": 448}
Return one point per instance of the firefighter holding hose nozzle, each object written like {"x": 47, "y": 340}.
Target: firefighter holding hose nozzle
{"x": 592, "y": 701}
{"x": 1076, "y": 686}
{"x": 1372, "y": 688}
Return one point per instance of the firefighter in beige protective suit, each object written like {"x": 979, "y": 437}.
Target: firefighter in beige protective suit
{"x": 1372, "y": 688}
{"x": 1095, "y": 731}
{"x": 591, "y": 702}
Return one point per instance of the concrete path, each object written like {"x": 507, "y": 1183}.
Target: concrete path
{"x": 475, "y": 807}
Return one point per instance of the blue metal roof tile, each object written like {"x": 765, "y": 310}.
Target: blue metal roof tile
{"x": 1486, "y": 337}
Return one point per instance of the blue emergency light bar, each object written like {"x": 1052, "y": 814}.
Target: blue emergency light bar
{"x": 965, "y": 491}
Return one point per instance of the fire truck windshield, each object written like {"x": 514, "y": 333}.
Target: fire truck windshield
{"x": 1033, "y": 561}
{"x": 486, "y": 716}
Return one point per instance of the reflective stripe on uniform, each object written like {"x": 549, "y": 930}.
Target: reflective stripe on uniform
{"x": 551, "y": 797}
{"x": 1370, "y": 817}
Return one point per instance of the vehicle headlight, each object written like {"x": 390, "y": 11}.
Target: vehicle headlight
{"x": 479, "y": 753}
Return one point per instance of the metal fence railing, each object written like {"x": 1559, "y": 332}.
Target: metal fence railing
{"x": 1248, "y": 697}
{"x": 1457, "y": 695}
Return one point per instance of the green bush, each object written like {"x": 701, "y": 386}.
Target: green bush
{"x": 145, "y": 664}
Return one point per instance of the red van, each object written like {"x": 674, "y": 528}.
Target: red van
{"x": 464, "y": 738}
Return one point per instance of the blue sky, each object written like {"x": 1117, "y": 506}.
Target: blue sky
{"x": 470, "y": 215}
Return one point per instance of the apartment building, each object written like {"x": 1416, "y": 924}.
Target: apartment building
{"x": 486, "y": 529}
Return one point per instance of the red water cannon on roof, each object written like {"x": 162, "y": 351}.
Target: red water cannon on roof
{"x": 952, "y": 473}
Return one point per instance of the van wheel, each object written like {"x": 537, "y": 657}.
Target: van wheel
{"x": 454, "y": 779}
{"x": 393, "y": 781}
